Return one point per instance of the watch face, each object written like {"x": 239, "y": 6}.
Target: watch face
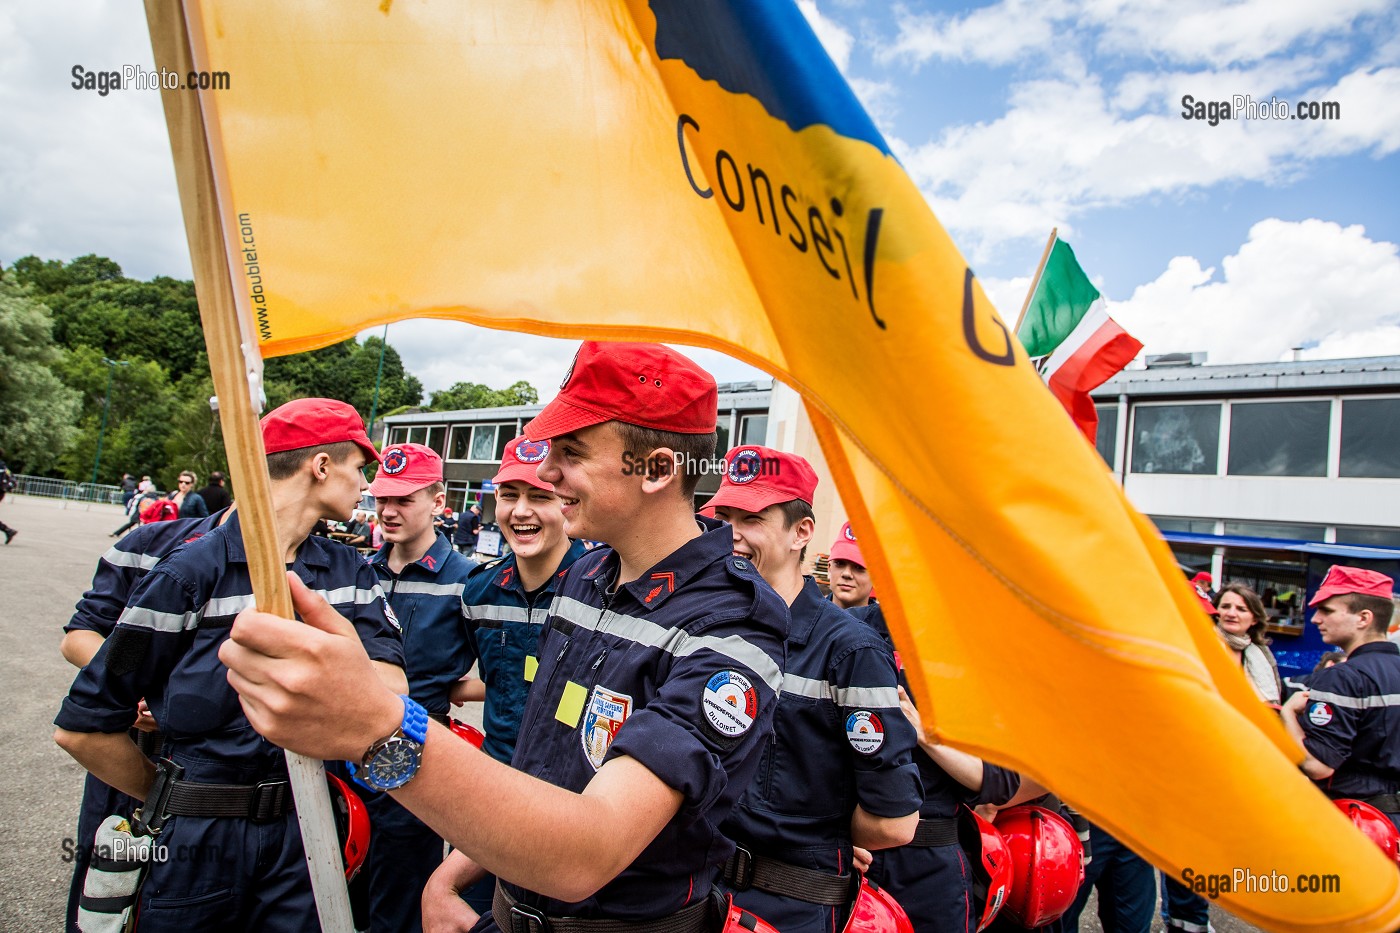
{"x": 394, "y": 764}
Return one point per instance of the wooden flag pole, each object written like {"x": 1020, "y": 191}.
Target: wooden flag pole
{"x": 1035, "y": 280}
{"x": 238, "y": 414}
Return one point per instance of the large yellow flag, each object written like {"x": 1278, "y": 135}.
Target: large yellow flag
{"x": 697, "y": 171}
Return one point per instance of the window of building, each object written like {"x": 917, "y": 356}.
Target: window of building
{"x": 1194, "y": 526}
{"x": 1369, "y": 536}
{"x": 753, "y": 429}
{"x": 1285, "y": 530}
{"x": 1106, "y": 441}
{"x": 460, "y": 444}
{"x": 484, "y": 443}
{"x": 1279, "y": 438}
{"x": 436, "y": 433}
{"x": 1176, "y": 438}
{"x": 722, "y": 441}
{"x": 398, "y": 436}
{"x": 1281, "y": 583}
{"x": 457, "y": 497}
{"x": 1371, "y": 437}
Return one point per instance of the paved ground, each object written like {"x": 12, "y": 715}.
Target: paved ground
{"x": 42, "y": 574}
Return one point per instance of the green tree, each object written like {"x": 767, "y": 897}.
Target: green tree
{"x": 475, "y": 395}
{"x": 37, "y": 411}
{"x": 137, "y": 420}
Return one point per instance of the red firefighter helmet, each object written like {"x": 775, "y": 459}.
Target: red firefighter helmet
{"x": 471, "y": 733}
{"x": 739, "y": 920}
{"x": 991, "y": 865}
{"x": 1375, "y": 824}
{"x": 875, "y": 911}
{"x": 351, "y": 824}
{"x": 1047, "y": 864}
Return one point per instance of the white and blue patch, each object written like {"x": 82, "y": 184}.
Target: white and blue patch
{"x": 1319, "y": 713}
{"x": 865, "y": 731}
{"x": 730, "y": 703}
{"x": 745, "y": 467}
{"x": 531, "y": 451}
{"x": 606, "y": 713}
{"x": 848, "y": 532}
{"x": 395, "y": 460}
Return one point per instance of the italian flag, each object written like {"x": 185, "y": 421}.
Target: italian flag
{"x": 1066, "y": 328}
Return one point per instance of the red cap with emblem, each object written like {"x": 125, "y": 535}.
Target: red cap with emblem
{"x": 522, "y": 462}
{"x": 406, "y": 469}
{"x": 314, "y": 422}
{"x": 757, "y": 477}
{"x": 644, "y": 384}
{"x": 845, "y": 547}
{"x": 1343, "y": 580}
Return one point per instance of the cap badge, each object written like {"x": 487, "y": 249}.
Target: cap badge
{"x": 849, "y": 534}
{"x": 531, "y": 451}
{"x": 394, "y": 461}
{"x": 745, "y": 467}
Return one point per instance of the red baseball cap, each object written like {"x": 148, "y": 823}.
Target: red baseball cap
{"x": 645, "y": 384}
{"x": 1342, "y": 580}
{"x": 406, "y": 469}
{"x": 521, "y": 462}
{"x": 314, "y": 422}
{"x": 845, "y": 547}
{"x": 757, "y": 477}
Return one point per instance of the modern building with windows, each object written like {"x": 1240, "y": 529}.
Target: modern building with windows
{"x": 472, "y": 441}
{"x": 1263, "y": 472}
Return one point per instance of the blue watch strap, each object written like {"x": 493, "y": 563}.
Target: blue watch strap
{"x": 415, "y": 720}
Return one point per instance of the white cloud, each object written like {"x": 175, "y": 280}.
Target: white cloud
{"x": 997, "y": 34}
{"x": 1313, "y": 283}
{"x": 835, "y": 38}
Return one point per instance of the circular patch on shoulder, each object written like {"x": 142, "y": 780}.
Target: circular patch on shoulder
{"x": 531, "y": 451}
{"x": 1319, "y": 713}
{"x": 730, "y": 703}
{"x": 865, "y": 731}
{"x": 745, "y": 466}
{"x": 394, "y": 461}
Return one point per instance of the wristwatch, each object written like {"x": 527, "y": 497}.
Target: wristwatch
{"x": 391, "y": 762}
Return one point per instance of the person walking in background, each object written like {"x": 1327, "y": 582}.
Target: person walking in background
{"x": 468, "y": 529}
{"x": 216, "y": 496}
{"x": 190, "y": 503}
{"x": 7, "y": 483}
{"x": 128, "y": 489}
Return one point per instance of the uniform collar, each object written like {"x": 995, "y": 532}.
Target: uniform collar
{"x": 312, "y": 552}
{"x": 673, "y": 571}
{"x": 508, "y": 575}
{"x": 805, "y": 610}
{"x": 1375, "y": 647}
{"x": 431, "y": 562}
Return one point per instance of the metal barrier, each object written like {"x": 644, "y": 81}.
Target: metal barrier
{"x": 49, "y": 488}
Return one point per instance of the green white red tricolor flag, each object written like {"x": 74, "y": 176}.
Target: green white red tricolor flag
{"x": 1067, "y": 328}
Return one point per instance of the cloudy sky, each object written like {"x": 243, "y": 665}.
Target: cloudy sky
{"x": 1243, "y": 239}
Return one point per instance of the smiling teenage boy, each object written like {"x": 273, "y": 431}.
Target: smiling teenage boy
{"x": 659, "y": 667}
{"x": 422, "y": 578}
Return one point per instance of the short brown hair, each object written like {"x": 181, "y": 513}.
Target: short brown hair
{"x": 285, "y": 463}
{"x": 794, "y": 510}
{"x": 692, "y": 448}
{"x": 1382, "y": 607}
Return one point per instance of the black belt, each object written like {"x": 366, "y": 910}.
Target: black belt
{"x": 745, "y": 870}
{"x": 150, "y": 743}
{"x": 261, "y": 803}
{"x": 932, "y": 833}
{"x": 511, "y": 916}
{"x": 1386, "y": 803}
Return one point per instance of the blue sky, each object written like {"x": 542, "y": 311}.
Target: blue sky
{"x": 1243, "y": 239}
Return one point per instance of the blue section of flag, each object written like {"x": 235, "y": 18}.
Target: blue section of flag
{"x": 763, "y": 48}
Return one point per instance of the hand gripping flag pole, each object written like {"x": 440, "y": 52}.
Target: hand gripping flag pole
{"x": 237, "y": 370}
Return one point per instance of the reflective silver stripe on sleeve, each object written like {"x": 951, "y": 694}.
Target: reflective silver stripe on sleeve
{"x": 865, "y": 697}
{"x": 140, "y": 617}
{"x": 228, "y": 605}
{"x": 1371, "y": 702}
{"x": 351, "y": 594}
{"x": 430, "y": 589}
{"x": 130, "y": 559}
{"x": 673, "y": 641}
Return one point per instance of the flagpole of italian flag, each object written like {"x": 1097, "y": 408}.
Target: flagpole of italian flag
{"x": 1065, "y": 327}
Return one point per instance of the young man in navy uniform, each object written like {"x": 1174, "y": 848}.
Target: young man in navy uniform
{"x": 244, "y": 872}
{"x": 422, "y": 577}
{"x": 659, "y": 668}
{"x": 1345, "y": 720}
{"x": 838, "y": 768}
{"x": 504, "y": 608}
{"x": 118, "y": 572}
